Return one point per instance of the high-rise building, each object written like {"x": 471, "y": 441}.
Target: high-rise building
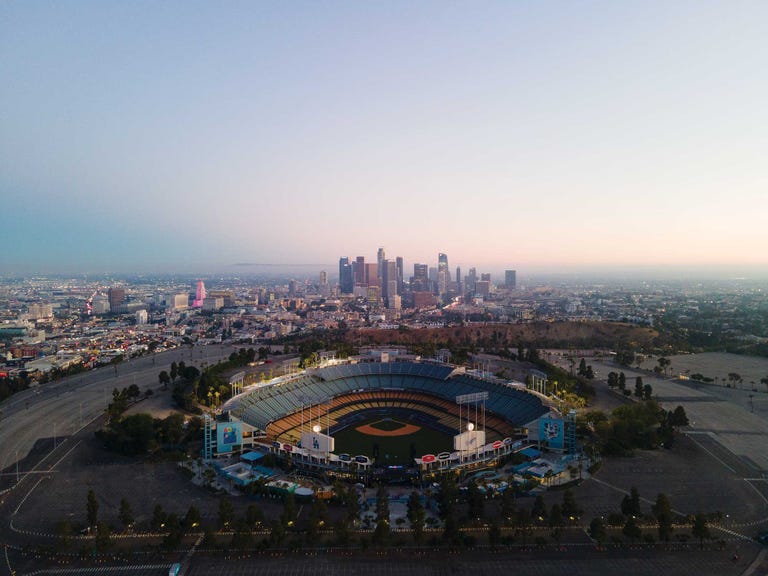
{"x": 372, "y": 274}
{"x": 420, "y": 282}
{"x": 380, "y": 257}
{"x": 360, "y": 271}
{"x": 323, "y": 287}
{"x": 485, "y": 277}
{"x": 510, "y": 279}
{"x": 442, "y": 266}
{"x": 399, "y": 262}
{"x": 199, "y": 295}
{"x": 389, "y": 279}
{"x": 180, "y": 301}
{"x": 442, "y": 281}
{"x": 482, "y": 288}
{"x": 469, "y": 281}
{"x": 346, "y": 282}
{"x": 116, "y": 297}
{"x": 458, "y": 280}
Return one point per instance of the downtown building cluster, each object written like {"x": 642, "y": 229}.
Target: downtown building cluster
{"x": 384, "y": 282}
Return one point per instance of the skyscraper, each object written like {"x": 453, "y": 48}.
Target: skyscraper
{"x": 469, "y": 287}
{"x": 510, "y": 279}
{"x": 420, "y": 279}
{"x": 199, "y": 295}
{"x": 458, "y": 280}
{"x": 380, "y": 257}
{"x": 442, "y": 266}
{"x": 360, "y": 271}
{"x": 372, "y": 274}
{"x": 346, "y": 282}
{"x": 399, "y": 262}
{"x": 389, "y": 279}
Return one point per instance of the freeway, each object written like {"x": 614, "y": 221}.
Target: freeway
{"x": 56, "y": 409}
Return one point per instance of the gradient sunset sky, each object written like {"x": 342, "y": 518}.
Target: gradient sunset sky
{"x": 190, "y": 136}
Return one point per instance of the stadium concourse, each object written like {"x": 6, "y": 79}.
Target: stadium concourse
{"x": 489, "y": 415}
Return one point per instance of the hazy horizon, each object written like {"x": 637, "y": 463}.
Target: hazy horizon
{"x": 533, "y": 136}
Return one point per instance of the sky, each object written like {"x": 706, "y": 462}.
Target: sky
{"x": 214, "y": 136}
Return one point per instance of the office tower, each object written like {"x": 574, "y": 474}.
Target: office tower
{"x": 389, "y": 279}
{"x": 180, "y": 301}
{"x": 372, "y": 274}
{"x": 420, "y": 281}
{"x": 374, "y": 293}
{"x": 116, "y": 297}
{"x": 360, "y": 271}
{"x": 323, "y": 287}
{"x": 458, "y": 280}
{"x": 442, "y": 266}
{"x": 380, "y": 257}
{"x": 293, "y": 286}
{"x": 510, "y": 279}
{"x": 399, "y": 262}
{"x": 485, "y": 278}
{"x": 199, "y": 295}
{"x": 442, "y": 282}
{"x": 471, "y": 279}
{"x": 227, "y": 297}
{"x": 346, "y": 282}
{"x": 482, "y": 288}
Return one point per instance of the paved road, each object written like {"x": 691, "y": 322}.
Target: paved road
{"x": 539, "y": 563}
{"x": 60, "y": 408}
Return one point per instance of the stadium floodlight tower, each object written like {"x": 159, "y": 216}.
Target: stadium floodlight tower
{"x": 320, "y": 445}
{"x": 472, "y": 440}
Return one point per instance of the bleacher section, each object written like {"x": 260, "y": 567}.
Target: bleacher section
{"x": 342, "y": 410}
{"x": 338, "y": 384}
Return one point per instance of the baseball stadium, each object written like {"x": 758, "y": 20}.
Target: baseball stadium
{"x": 388, "y": 419}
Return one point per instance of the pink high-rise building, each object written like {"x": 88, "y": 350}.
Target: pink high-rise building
{"x": 199, "y": 295}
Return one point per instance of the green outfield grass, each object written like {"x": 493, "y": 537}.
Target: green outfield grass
{"x": 394, "y": 449}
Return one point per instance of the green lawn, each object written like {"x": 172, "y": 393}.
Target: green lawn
{"x": 394, "y": 449}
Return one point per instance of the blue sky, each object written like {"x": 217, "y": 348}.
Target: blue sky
{"x": 537, "y": 135}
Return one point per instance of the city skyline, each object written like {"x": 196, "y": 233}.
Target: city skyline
{"x": 543, "y": 137}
